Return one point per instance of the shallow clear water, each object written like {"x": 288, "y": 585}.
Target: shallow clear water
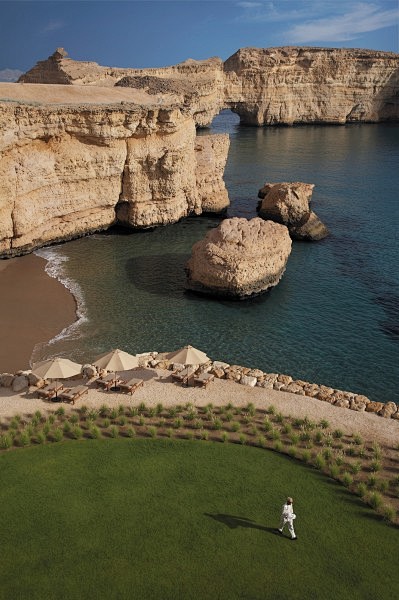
{"x": 333, "y": 318}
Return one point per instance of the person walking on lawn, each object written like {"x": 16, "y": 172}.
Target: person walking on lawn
{"x": 287, "y": 518}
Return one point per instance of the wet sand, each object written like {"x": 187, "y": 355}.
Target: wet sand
{"x": 33, "y": 308}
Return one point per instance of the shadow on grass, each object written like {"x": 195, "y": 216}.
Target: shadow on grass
{"x": 233, "y": 522}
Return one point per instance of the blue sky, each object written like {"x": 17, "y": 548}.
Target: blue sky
{"x": 157, "y": 33}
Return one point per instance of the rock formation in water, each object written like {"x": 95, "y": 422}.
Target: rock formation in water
{"x": 70, "y": 169}
{"x": 288, "y": 203}
{"x": 239, "y": 259}
{"x": 265, "y": 86}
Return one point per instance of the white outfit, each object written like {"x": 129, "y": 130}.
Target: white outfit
{"x": 287, "y": 518}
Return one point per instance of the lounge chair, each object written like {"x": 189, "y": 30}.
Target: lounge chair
{"x": 108, "y": 382}
{"x": 73, "y": 394}
{"x": 184, "y": 375}
{"x": 49, "y": 391}
{"x": 130, "y": 386}
{"x": 204, "y": 379}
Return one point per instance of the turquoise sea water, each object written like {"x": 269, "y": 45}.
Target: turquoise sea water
{"x": 333, "y": 318}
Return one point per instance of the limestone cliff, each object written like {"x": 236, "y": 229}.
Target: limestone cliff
{"x": 196, "y": 84}
{"x": 265, "y": 86}
{"x": 67, "y": 170}
{"x": 312, "y": 85}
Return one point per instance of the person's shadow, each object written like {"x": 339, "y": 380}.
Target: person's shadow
{"x": 233, "y": 522}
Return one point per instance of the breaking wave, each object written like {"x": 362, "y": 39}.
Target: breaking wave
{"x": 55, "y": 267}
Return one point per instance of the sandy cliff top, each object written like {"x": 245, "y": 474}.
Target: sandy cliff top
{"x": 76, "y": 94}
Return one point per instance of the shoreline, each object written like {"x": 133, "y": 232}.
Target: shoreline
{"x": 34, "y": 308}
{"x": 160, "y": 387}
{"x": 38, "y": 305}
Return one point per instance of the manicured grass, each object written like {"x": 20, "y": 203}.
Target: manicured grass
{"x": 172, "y": 519}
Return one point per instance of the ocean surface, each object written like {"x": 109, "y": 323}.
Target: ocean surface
{"x": 333, "y": 318}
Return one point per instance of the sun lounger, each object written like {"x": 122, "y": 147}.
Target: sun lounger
{"x": 50, "y": 391}
{"x": 184, "y": 375}
{"x": 130, "y": 386}
{"x": 108, "y": 382}
{"x": 204, "y": 379}
{"x": 73, "y": 394}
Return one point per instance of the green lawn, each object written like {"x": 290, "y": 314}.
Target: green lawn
{"x": 172, "y": 519}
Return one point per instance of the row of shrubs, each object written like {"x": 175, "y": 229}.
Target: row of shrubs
{"x": 346, "y": 459}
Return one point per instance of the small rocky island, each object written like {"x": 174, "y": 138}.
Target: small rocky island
{"x": 288, "y": 203}
{"x": 239, "y": 259}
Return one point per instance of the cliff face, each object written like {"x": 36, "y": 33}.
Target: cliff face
{"x": 77, "y": 158}
{"x": 70, "y": 170}
{"x": 196, "y": 84}
{"x": 265, "y": 86}
{"x": 312, "y": 85}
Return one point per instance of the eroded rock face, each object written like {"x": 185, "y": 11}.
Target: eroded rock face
{"x": 239, "y": 258}
{"x": 196, "y": 84}
{"x": 265, "y": 86}
{"x": 268, "y": 86}
{"x": 70, "y": 170}
{"x": 288, "y": 203}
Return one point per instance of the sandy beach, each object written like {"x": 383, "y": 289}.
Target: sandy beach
{"x": 33, "y": 308}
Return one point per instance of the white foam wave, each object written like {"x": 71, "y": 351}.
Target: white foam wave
{"x": 55, "y": 267}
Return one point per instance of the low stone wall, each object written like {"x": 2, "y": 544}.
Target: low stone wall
{"x": 285, "y": 383}
{"x": 242, "y": 375}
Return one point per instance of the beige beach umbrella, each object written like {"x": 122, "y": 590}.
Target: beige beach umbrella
{"x": 56, "y": 368}
{"x": 188, "y": 356}
{"x": 116, "y": 360}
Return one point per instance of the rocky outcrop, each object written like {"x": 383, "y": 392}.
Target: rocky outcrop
{"x": 201, "y": 93}
{"x": 239, "y": 259}
{"x": 269, "y": 86}
{"x": 265, "y": 86}
{"x": 67, "y": 170}
{"x": 212, "y": 193}
{"x": 288, "y": 203}
{"x": 197, "y": 85}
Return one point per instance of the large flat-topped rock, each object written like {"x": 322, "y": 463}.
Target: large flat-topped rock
{"x": 239, "y": 259}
